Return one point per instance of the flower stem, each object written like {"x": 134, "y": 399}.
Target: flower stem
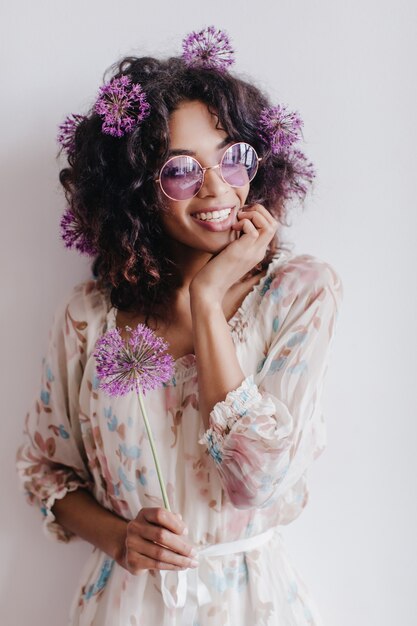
{"x": 155, "y": 456}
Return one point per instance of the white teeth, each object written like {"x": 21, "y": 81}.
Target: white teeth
{"x": 214, "y": 215}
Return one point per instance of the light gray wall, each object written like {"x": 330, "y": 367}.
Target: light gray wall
{"x": 347, "y": 67}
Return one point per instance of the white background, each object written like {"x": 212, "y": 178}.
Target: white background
{"x": 348, "y": 68}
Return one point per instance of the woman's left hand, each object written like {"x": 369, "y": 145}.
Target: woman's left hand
{"x": 257, "y": 227}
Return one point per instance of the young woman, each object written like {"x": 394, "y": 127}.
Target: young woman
{"x": 177, "y": 181}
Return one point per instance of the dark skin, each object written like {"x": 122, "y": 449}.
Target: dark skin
{"x": 213, "y": 266}
{"x": 178, "y": 330}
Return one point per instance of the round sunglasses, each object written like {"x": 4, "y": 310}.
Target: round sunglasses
{"x": 181, "y": 177}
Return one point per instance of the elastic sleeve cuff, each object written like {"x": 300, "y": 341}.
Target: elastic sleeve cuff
{"x": 235, "y": 405}
{"x": 228, "y": 411}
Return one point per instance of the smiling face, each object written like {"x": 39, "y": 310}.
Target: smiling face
{"x": 193, "y": 131}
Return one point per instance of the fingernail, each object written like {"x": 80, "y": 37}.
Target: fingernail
{"x": 185, "y": 531}
{"x": 195, "y": 563}
{"x": 179, "y": 515}
{"x": 193, "y": 552}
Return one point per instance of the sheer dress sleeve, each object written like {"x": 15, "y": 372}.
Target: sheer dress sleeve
{"x": 266, "y": 433}
{"x": 51, "y": 461}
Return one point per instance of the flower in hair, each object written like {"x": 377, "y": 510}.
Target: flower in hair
{"x": 66, "y": 132}
{"x": 303, "y": 174}
{"x": 279, "y": 127}
{"x": 73, "y": 235}
{"x": 122, "y": 105}
{"x": 209, "y": 48}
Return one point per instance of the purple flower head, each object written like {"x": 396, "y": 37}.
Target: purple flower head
{"x": 73, "y": 235}
{"x": 66, "y": 132}
{"x": 279, "y": 128}
{"x": 122, "y": 105}
{"x": 304, "y": 174}
{"x": 210, "y": 48}
{"x": 139, "y": 364}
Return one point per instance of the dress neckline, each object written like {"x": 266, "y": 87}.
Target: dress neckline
{"x": 186, "y": 363}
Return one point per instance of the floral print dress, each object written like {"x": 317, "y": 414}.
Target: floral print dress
{"x": 245, "y": 475}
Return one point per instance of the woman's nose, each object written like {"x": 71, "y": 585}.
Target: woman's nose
{"x": 213, "y": 184}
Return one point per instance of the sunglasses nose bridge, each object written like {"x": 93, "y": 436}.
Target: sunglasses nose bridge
{"x": 210, "y": 167}
{"x": 218, "y": 178}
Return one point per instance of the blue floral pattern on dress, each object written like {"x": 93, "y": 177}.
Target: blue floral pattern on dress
{"x": 262, "y": 436}
{"x": 101, "y": 582}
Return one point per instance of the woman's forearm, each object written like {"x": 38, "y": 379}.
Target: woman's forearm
{"x": 218, "y": 368}
{"x": 81, "y": 514}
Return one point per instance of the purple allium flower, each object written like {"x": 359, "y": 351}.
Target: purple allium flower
{"x": 279, "y": 128}
{"x": 210, "y": 48}
{"x": 73, "y": 235}
{"x": 304, "y": 174}
{"x": 123, "y": 105}
{"x": 139, "y": 364}
{"x": 66, "y": 134}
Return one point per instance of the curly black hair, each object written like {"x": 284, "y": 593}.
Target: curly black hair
{"x": 109, "y": 183}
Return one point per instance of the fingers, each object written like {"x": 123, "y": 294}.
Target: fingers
{"x": 163, "y": 537}
{"x": 138, "y": 546}
{"x": 256, "y": 221}
{"x": 258, "y": 209}
{"x": 136, "y": 562}
{"x": 245, "y": 226}
{"x": 162, "y": 517}
{"x": 258, "y": 214}
{"x": 154, "y": 541}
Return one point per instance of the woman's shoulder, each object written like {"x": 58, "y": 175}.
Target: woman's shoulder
{"x": 304, "y": 270}
{"x": 85, "y": 300}
{"x": 295, "y": 278}
{"x": 82, "y": 314}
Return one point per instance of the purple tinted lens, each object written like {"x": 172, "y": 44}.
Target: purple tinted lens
{"x": 239, "y": 164}
{"x": 181, "y": 178}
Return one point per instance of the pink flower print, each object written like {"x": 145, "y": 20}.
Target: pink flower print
{"x": 178, "y": 413}
{"x": 47, "y": 446}
{"x": 176, "y": 418}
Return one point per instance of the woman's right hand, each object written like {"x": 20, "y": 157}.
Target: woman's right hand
{"x": 154, "y": 540}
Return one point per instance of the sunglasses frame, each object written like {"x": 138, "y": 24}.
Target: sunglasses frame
{"x": 204, "y": 170}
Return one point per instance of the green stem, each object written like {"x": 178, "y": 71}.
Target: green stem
{"x": 155, "y": 456}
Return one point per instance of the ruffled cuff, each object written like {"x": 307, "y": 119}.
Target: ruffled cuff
{"x": 226, "y": 413}
{"x": 51, "y": 527}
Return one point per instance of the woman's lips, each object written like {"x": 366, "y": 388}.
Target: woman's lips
{"x": 219, "y": 225}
